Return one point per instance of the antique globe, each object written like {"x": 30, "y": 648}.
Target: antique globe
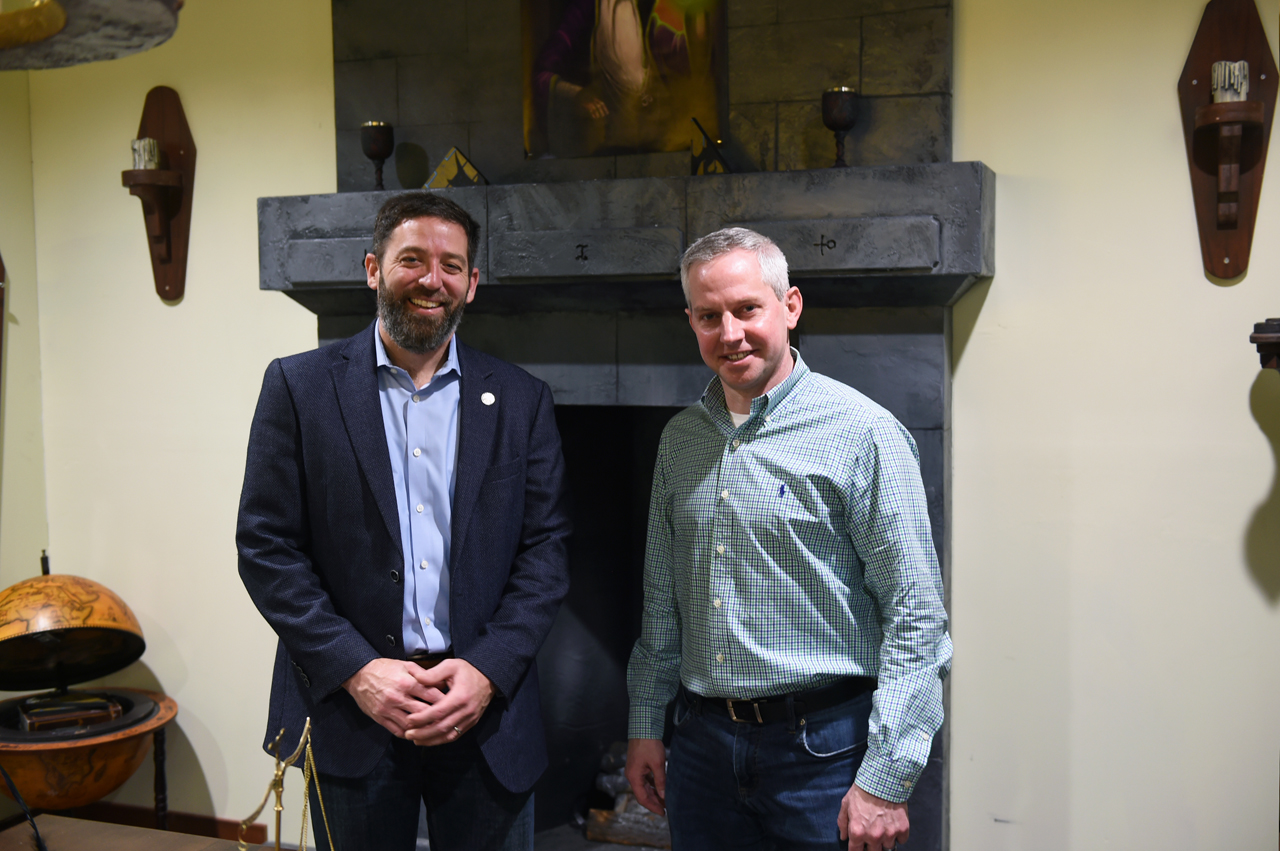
{"x": 70, "y": 747}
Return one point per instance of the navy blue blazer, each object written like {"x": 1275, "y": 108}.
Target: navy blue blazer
{"x": 319, "y": 548}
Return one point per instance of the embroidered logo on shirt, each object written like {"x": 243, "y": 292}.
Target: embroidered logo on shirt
{"x": 782, "y": 491}
{"x": 488, "y": 398}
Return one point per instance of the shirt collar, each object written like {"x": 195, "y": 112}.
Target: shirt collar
{"x": 713, "y": 396}
{"x": 380, "y": 354}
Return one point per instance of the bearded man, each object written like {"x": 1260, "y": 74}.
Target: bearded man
{"x": 402, "y": 528}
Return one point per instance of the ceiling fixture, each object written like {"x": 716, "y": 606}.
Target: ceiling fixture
{"x": 58, "y": 33}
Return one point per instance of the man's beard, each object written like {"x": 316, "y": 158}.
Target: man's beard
{"x": 411, "y": 332}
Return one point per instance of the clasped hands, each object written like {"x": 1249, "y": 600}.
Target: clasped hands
{"x": 424, "y": 706}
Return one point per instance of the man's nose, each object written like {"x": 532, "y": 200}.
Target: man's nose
{"x": 430, "y": 275}
{"x": 730, "y": 329}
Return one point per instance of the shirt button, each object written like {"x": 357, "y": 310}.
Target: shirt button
{"x": 737, "y": 443}
{"x": 395, "y": 576}
{"x": 426, "y": 621}
{"x": 423, "y": 565}
{"x": 720, "y": 548}
{"x": 415, "y": 397}
{"x": 719, "y": 657}
{"x": 419, "y": 508}
{"x": 417, "y": 452}
{"x": 716, "y": 602}
{"x": 724, "y": 494}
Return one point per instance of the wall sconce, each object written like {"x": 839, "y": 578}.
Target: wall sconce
{"x": 1228, "y": 96}
{"x": 163, "y": 176}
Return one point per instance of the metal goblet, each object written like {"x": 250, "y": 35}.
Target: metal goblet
{"x": 377, "y": 140}
{"x": 839, "y": 114}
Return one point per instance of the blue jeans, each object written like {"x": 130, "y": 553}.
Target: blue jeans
{"x": 467, "y": 808}
{"x": 762, "y": 786}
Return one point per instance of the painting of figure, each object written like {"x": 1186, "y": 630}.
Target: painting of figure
{"x": 620, "y": 76}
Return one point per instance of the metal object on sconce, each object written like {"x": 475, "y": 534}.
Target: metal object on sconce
{"x": 1266, "y": 336}
{"x": 1228, "y": 94}
{"x": 146, "y": 154}
{"x": 378, "y": 141}
{"x": 839, "y": 114}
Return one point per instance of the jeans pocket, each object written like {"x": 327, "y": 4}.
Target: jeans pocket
{"x": 838, "y": 731}
{"x": 681, "y": 712}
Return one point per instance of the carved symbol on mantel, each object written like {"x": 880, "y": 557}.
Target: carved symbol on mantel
{"x": 824, "y": 245}
{"x": 582, "y": 251}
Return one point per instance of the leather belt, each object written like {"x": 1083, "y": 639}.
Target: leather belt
{"x": 783, "y": 707}
{"x": 430, "y": 660}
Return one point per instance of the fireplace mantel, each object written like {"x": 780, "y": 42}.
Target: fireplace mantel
{"x": 894, "y": 236}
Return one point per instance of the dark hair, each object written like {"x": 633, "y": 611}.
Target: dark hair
{"x": 417, "y": 205}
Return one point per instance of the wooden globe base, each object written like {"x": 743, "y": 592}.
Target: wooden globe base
{"x": 58, "y": 775}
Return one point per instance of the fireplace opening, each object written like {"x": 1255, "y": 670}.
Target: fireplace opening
{"x": 609, "y": 452}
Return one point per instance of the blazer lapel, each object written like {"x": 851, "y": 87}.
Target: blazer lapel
{"x": 477, "y": 423}
{"x": 355, "y": 380}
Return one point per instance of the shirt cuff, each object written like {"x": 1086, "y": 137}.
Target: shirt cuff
{"x": 887, "y": 779}
{"x": 646, "y": 720}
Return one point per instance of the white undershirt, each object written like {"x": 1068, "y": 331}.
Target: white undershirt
{"x": 739, "y": 419}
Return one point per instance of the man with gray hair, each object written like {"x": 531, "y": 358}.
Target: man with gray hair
{"x": 793, "y": 601}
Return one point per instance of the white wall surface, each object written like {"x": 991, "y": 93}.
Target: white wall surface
{"x": 1116, "y": 527}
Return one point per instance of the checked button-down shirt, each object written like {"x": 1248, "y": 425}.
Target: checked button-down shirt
{"x": 789, "y": 553}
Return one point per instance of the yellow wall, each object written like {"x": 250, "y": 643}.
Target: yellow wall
{"x": 24, "y": 528}
{"x": 146, "y": 406}
{"x": 1116, "y": 537}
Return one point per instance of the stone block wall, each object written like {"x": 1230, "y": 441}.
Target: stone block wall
{"x": 896, "y": 53}
{"x": 448, "y": 73}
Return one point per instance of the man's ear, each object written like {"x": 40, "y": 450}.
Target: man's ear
{"x": 371, "y": 270}
{"x": 471, "y": 287}
{"x": 794, "y": 303}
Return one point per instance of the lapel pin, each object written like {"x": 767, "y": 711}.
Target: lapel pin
{"x": 487, "y": 398}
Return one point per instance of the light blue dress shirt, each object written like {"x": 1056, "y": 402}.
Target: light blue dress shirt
{"x": 422, "y": 439}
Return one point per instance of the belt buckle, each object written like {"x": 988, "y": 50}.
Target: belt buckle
{"x": 734, "y": 717}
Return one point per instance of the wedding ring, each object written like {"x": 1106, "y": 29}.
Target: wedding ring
{"x": 457, "y": 731}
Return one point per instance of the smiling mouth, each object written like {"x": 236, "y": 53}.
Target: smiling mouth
{"x": 424, "y": 303}
{"x": 736, "y": 356}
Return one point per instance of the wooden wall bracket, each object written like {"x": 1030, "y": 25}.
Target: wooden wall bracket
{"x": 166, "y": 191}
{"x": 1227, "y": 142}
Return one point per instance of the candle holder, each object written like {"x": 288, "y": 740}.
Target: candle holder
{"x": 164, "y": 173}
{"x": 377, "y": 140}
{"x": 839, "y": 114}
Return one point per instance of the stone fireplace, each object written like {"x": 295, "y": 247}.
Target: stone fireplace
{"x": 579, "y": 284}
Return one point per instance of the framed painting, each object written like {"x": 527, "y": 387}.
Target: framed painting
{"x": 621, "y": 76}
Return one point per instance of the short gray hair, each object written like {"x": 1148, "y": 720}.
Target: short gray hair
{"x": 773, "y": 264}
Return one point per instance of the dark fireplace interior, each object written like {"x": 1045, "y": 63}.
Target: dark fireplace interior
{"x": 609, "y": 453}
